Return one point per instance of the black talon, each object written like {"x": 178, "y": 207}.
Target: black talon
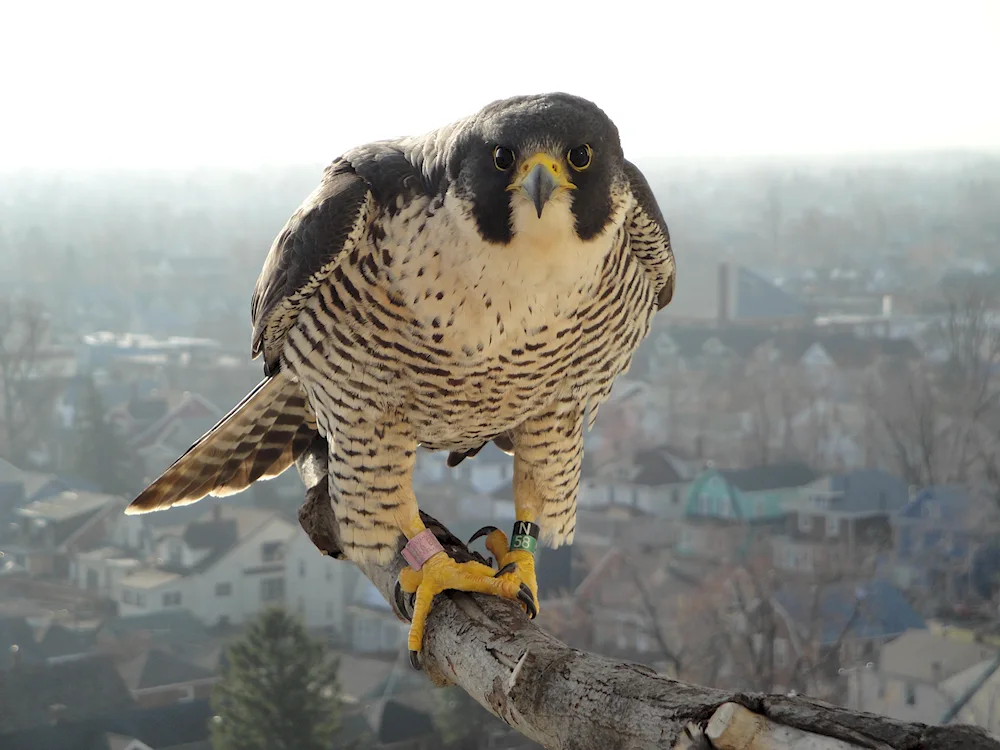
{"x": 397, "y": 594}
{"x": 485, "y": 531}
{"x": 401, "y": 607}
{"x": 525, "y": 597}
{"x": 508, "y": 568}
{"x": 415, "y": 660}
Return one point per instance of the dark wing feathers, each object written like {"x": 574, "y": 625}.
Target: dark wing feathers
{"x": 650, "y": 237}
{"x": 313, "y": 240}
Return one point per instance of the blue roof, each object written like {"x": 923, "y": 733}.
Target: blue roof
{"x": 953, "y": 504}
{"x": 875, "y": 609}
{"x": 758, "y": 298}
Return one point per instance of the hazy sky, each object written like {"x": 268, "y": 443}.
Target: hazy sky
{"x": 183, "y": 83}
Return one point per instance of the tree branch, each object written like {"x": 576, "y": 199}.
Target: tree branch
{"x": 572, "y": 700}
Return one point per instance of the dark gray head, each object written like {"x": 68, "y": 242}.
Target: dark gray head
{"x": 549, "y": 152}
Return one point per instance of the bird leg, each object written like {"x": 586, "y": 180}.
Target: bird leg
{"x": 432, "y": 571}
{"x": 516, "y": 558}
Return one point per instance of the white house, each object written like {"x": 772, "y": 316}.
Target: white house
{"x": 910, "y": 681}
{"x": 224, "y": 567}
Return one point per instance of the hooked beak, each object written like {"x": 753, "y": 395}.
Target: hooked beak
{"x": 540, "y": 177}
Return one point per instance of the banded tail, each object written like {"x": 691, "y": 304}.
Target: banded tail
{"x": 261, "y": 437}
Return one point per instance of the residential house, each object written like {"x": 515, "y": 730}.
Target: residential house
{"x": 936, "y": 536}
{"x": 156, "y": 677}
{"x": 910, "y": 679}
{"x": 159, "y": 444}
{"x": 653, "y": 480}
{"x": 839, "y": 525}
{"x": 49, "y": 532}
{"x": 838, "y": 626}
{"x": 724, "y": 507}
{"x": 228, "y": 564}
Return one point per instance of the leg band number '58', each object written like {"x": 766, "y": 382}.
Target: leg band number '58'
{"x": 524, "y": 536}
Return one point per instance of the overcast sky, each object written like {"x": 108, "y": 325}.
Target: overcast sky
{"x": 185, "y": 83}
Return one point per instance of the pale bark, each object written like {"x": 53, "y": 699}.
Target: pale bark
{"x": 564, "y": 698}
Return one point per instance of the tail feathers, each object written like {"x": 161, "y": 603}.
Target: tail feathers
{"x": 259, "y": 439}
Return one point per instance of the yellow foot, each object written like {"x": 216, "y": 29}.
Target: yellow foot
{"x": 518, "y": 564}
{"x": 441, "y": 573}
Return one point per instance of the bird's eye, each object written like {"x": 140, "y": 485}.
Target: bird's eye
{"x": 579, "y": 157}
{"x": 503, "y": 158}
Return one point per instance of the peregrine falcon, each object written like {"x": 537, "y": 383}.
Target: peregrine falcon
{"x": 486, "y": 281}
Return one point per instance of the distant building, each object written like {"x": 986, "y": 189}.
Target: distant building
{"x": 223, "y": 567}
{"x": 727, "y": 292}
{"x": 839, "y": 523}
{"x": 724, "y": 506}
{"x": 936, "y": 536}
{"x": 910, "y": 679}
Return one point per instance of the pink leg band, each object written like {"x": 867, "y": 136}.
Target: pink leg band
{"x": 421, "y": 548}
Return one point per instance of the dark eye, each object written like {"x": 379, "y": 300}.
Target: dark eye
{"x": 579, "y": 157}
{"x": 503, "y": 158}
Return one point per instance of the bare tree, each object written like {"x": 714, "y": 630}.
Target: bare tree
{"x": 24, "y": 326}
{"x": 938, "y": 421}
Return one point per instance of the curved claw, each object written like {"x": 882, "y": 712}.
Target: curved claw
{"x": 528, "y": 600}
{"x": 397, "y": 594}
{"x": 415, "y": 660}
{"x": 508, "y": 568}
{"x": 485, "y": 531}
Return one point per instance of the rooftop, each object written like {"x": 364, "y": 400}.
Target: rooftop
{"x": 929, "y": 657}
{"x": 66, "y": 505}
{"x": 150, "y": 578}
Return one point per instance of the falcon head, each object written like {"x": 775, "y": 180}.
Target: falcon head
{"x": 544, "y": 166}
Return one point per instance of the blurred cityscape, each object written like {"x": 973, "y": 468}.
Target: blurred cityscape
{"x": 796, "y": 487}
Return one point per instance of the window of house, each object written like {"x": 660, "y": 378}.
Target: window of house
{"x": 271, "y": 551}
{"x": 223, "y": 589}
{"x": 302, "y": 568}
{"x": 329, "y": 610}
{"x": 172, "y": 599}
{"x": 911, "y": 694}
{"x": 805, "y": 523}
{"x": 128, "y": 596}
{"x": 186, "y": 694}
{"x": 272, "y": 589}
{"x": 832, "y": 527}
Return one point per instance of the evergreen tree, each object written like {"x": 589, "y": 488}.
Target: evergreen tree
{"x": 461, "y": 722}
{"x": 278, "y": 689}
{"x": 101, "y": 453}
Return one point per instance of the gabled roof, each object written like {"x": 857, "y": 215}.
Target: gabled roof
{"x": 774, "y": 477}
{"x": 58, "y": 640}
{"x": 948, "y": 506}
{"x": 157, "y": 668}
{"x": 66, "y": 505}
{"x": 84, "y": 687}
{"x": 876, "y": 609}
{"x": 656, "y": 468}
